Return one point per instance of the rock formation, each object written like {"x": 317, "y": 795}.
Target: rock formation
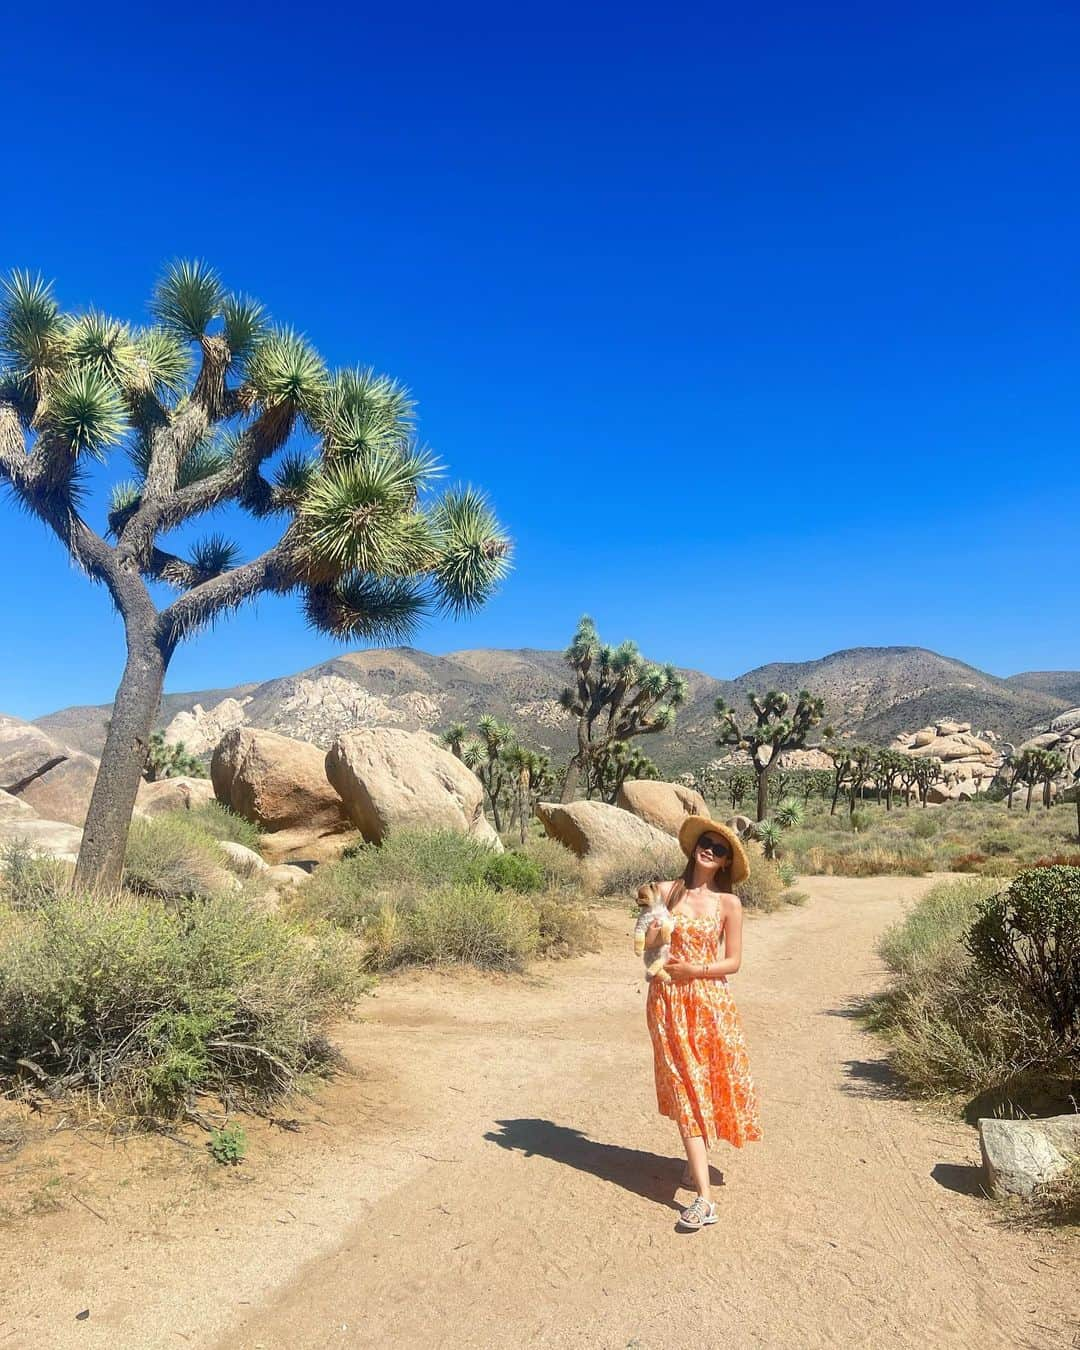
{"x": 393, "y": 780}
{"x": 51, "y": 777}
{"x": 664, "y": 805}
{"x": 280, "y": 784}
{"x": 606, "y": 838}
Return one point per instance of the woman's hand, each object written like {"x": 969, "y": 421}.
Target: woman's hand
{"x": 682, "y": 972}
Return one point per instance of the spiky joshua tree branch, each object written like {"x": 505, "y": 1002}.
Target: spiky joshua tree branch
{"x": 209, "y": 402}
{"x": 616, "y": 695}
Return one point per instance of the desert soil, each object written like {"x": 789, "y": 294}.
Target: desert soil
{"x": 494, "y": 1174}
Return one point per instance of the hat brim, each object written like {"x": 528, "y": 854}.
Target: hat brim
{"x": 693, "y": 827}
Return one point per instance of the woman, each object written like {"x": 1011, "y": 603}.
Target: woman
{"x": 699, "y": 1056}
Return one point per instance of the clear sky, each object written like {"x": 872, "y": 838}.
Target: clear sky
{"x": 758, "y": 323}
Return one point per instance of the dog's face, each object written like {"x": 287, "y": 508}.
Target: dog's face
{"x": 648, "y": 896}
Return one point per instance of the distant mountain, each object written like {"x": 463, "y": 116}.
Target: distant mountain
{"x": 1064, "y": 684}
{"x": 872, "y": 693}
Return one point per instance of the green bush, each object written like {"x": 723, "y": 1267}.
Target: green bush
{"x": 220, "y": 823}
{"x": 451, "y": 925}
{"x": 173, "y": 857}
{"x": 925, "y": 825}
{"x": 1028, "y": 938}
{"x": 513, "y": 872}
{"x": 143, "y": 1004}
{"x": 789, "y": 814}
{"x": 229, "y": 1145}
{"x": 794, "y": 897}
{"x": 860, "y": 821}
{"x": 950, "y": 1029}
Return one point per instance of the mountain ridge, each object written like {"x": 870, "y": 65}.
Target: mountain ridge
{"x": 871, "y": 693}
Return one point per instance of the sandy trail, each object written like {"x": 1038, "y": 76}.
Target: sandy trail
{"x": 497, "y": 1176}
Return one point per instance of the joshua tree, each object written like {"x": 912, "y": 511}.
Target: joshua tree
{"x": 1051, "y": 765}
{"x": 610, "y": 767}
{"x": 909, "y": 777}
{"x": 771, "y": 732}
{"x": 739, "y": 785}
{"x": 454, "y": 738}
{"x": 170, "y": 761}
{"x": 927, "y": 773}
{"x": 841, "y": 771}
{"x": 861, "y": 769}
{"x": 1028, "y": 769}
{"x": 616, "y": 695}
{"x": 532, "y": 779}
{"x": 358, "y": 540}
{"x": 888, "y": 768}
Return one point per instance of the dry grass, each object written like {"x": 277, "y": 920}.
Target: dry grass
{"x": 981, "y": 837}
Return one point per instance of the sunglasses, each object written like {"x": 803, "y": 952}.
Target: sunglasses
{"x": 717, "y": 847}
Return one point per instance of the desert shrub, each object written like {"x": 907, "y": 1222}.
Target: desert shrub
{"x": 860, "y": 821}
{"x": 794, "y": 898}
{"x": 144, "y": 1005}
{"x": 871, "y": 860}
{"x": 452, "y": 924}
{"x": 968, "y": 862}
{"x": 639, "y": 868}
{"x": 220, "y": 823}
{"x": 997, "y": 845}
{"x": 787, "y": 873}
{"x": 762, "y": 890}
{"x": 925, "y": 825}
{"x": 1028, "y": 939}
{"x": 789, "y": 814}
{"x": 934, "y": 928}
{"x": 1058, "y": 860}
{"x": 951, "y": 1030}
{"x": 28, "y": 879}
{"x": 564, "y": 928}
{"x": 1059, "y": 1200}
{"x": 561, "y": 869}
{"x": 172, "y": 857}
{"x": 513, "y": 872}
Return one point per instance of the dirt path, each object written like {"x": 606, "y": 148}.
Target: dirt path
{"x": 497, "y": 1177}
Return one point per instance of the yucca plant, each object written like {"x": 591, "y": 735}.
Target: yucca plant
{"x": 616, "y": 695}
{"x": 789, "y": 814}
{"x": 769, "y": 833}
{"x": 207, "y": 402}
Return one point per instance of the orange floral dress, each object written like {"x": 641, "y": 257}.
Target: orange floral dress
{"x": 702, "y": 1069}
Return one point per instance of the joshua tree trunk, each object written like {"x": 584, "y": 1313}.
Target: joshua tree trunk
{"x": 763, "y": 791}
{"x": 574, "y": 768}
{"x": 1078, "y": 813}
{"x": 1027, "y": 804}
{"x": 101, "y": 858}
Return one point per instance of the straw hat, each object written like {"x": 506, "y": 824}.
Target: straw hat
{"x": 693, "y": 827}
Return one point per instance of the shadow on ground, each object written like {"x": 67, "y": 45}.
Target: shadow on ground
{"x": 962, "y": 1178}
{"x": 646, "y": 1174}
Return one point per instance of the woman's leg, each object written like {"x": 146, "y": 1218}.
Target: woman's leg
{"x": 698, "y": 1159}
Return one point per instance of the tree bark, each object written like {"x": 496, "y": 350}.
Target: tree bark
{"x": 101, "y": 857}
{"x": 573, "y": 769}
{"x": 762, "y": 792}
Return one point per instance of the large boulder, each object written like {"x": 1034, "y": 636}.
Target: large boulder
{"x": 55, "y": 837}
{"x": 173, "y": 794}
{"x": 1063, "y": 738}
{"x": 605, "y": 837}
{"x": 1020, "y": 1156}
{"x": 14, "y": 808}
{"x": 49, "y": 776}
{"x": 402, "y": 780}
{"x": 280, "y": 784}
{"x": 665, "y": 805}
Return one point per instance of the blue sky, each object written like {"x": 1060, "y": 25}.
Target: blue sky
{"x": 759, "y": 328}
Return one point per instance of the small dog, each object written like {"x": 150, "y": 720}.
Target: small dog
{"x": 653, "y": 910}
